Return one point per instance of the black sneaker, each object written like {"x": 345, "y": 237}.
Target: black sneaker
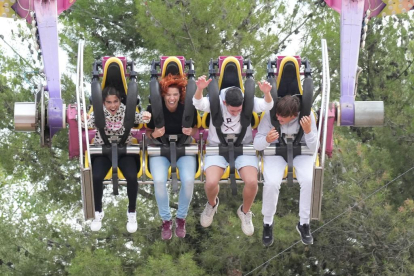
{"x": 305, "y": 234}
{"x": 267, "y": 238}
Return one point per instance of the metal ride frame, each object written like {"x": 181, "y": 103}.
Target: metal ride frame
{"x": 200, "y": 148}
{"x": 47, "y": 115}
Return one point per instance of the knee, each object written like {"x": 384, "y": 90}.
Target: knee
{"x": 273, "y": 185}
{"x": 210, "y": 185}
{"x": 251, "y": 183}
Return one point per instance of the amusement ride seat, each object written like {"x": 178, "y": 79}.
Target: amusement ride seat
{"x": 231, "y": 74}
{"x": 288, "y": 83}
{"x": 173, "y": 146}
{"x": 114, "y": 75}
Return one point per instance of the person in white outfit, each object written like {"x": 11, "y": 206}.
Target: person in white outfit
{"x": 287, "y": 113}
{"x": 231, "y": 101}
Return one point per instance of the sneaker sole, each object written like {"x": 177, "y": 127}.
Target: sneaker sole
{"x": 206, "y": 225}
{"x": 297, "y": 229}
{"x": 267, "y": 245}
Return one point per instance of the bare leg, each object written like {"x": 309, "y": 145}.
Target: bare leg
{"x": 213, "y": 175}
{"x": 249, "y": 177}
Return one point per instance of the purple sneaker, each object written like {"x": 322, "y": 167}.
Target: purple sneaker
{"x": 180, "y": 227}
{"x": 166, "y": 231}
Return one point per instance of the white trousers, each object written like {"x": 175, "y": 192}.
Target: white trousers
{"x": 274, "y": 169}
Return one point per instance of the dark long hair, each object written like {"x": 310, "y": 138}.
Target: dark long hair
{"x": 110, "y": 91}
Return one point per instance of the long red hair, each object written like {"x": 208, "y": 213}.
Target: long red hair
{"x": 175, "y": 82}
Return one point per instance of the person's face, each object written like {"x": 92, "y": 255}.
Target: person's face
{"x": 284, "y": 120}
{"x": 172, "y": 97}
{"x": 234, "y": 110}
{"x": 112, "y": 104}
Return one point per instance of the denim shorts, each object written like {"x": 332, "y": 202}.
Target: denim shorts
{"x": 240, "y": 162}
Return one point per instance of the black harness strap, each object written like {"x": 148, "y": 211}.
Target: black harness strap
{"x": 156, "y": 104}
{"x": 173, "y": 160}
{"x": 189, "y": 109}
{"x": 247, "y": 109}
{"x": 98, "y": 109}
{"x": 215, "y": 110}
{"x": 290, "y": 157}
{"x": 114, "y": 159}
{"x": 231, "y": 161}
{"x": 305, "y": 106}
{"x": 131, "y": 105}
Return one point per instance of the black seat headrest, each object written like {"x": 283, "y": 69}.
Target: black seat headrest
{"x": 115, "y": 79}
{"x": 288, "y": 82}
{"x": 230, "y": 76}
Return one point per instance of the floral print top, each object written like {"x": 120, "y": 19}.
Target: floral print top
{"x": 114, "y": 124}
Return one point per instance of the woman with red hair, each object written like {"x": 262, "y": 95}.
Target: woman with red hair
{"x": 173, "y": 90}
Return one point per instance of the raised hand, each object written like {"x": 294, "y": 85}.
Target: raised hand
{"x": 272, "y": 135}
{"x": 265, "y": 87}
{"x": 305, "y": 122}
{"x": 202, "y": 83}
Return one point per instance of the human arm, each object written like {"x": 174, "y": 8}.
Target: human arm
{"x": 142, "y": 117}
{"x": 190, "y": 131}
{"x": 265, "y": 104}
{"x": 155, "y": 133}
{"x": 90, "y": 121}
{"x": 308, "y": 124}
{"x": 266, "y": 134}
{"x": 200, "y": 102}
{"x": 265, "y": 87}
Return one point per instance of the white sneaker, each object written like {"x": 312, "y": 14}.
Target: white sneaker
{"x": 208, "y": 214}
{"x": 246, "y": 221}
{"x": 97, "y": 222}
{"x": 132, "y": 224}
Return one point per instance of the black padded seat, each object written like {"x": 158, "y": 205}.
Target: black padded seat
{"x": 230, "y": 77}
{"x": 172, "y": 68}
{"x": 289, "y": 81}
{"x": 114, "y": 78}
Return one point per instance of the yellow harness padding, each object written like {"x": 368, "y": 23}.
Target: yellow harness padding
{"x": 175, "y": 60}
{"x": 282, "y": 65}
{"x": 204, "y": 120}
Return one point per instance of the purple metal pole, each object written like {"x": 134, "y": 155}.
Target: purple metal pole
{"x": 351, "y": 23}
{"x": 375, "y": 6}
{"x": 46, "y": 16}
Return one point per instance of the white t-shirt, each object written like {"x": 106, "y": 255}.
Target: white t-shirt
{"x": 231, "y": 124}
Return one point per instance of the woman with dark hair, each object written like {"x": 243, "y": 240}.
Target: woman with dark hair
{"x": 173, "y": 89}
{"x": 114, "y": 111}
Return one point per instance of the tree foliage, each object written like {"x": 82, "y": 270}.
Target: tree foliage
{"x": 367, "y": 226}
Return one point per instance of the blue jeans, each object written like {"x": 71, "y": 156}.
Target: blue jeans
{"x": 159, "y": 169}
